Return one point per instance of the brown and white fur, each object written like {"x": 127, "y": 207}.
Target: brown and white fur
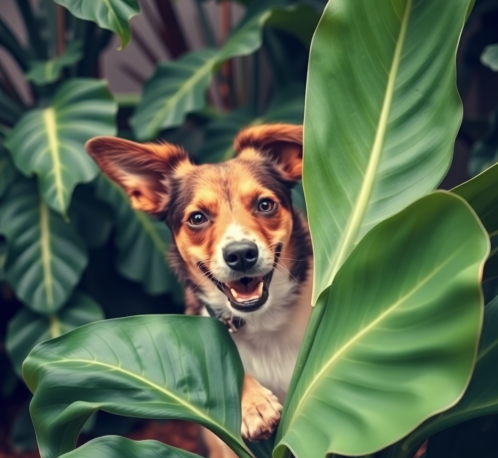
{"x": 240, "y": 247}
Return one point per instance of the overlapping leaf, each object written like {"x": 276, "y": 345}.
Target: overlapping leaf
{"x": 7, "y": 171}
{"x": 371, "y": 143}
{"x": 481, "y": 192}
{"x": 28, "y": 329}
{"x": 142, "y": 241}
{"x": 400, "y": 348}
{"x": 44, "y": 72}
{"x": 480, "y": 399}
{"x": 113, "y": 15}
{"x": 120, "y": 447}
{"x": 50, "y": 142}
{"x": 178, "y": 88}
{"x": 145, "y": 366}
{"x": 45, "y": 254}
{"x": 490, "y": 57}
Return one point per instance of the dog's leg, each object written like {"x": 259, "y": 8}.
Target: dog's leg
{"x": 260, "y": 410}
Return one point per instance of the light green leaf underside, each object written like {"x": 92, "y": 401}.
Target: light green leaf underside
{"x": 401, "y": 348}
{"x": 490, "y": 57}
{"x": 481, "y": 397}
{"x": 380, "y": 74}
{"x": 113, "y": 15}
{"x": 28, "y": 329}
{"x": 120, "y": 447}
{"x": 50, "y": 142}
{"x": 45, "y": 72}
{"x": 45, "y": 254}
{"x": 178, "y": 88}
{"x": 161, "y": 367}
{"x": 142, "y": 241}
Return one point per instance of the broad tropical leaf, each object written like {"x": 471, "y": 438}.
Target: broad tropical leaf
{"x": 50, "y": 142}
{"x": 381, "y": 148}
{"x": 401, "y": 348}
{"x": 120, "y": 447}
{"x": 178, "y": 88}
{"x": 113, "y": 15}
{"x": 28, "y": 329}
{"x": 142, "y": 241}
{"x": 155, "y": 367}
{"x": 490, "y": 57}
{"x": 480, "y": 399}
{"x": 46, "y": 257}
{"x": 45, "y": 72}
{"x": 485, "y": 151}
{"x": 7, "y": 171}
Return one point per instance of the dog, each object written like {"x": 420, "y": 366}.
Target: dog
{"x": 241, "y": 249}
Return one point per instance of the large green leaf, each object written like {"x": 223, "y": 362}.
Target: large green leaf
{"x": 382, "y": 114}
{"x": 50, "y": 142}
{"x": 178, "y": 88}
{"x": 45, "y": 72}
{"x": 400, "y": 348}
{"x": 481, "y": 397}
{"x": 45, "y": 254}
{"x": 28, "y": 329}
{"x": 113, "y": 15}
{"x": 145, "y": 366}
{"x": 120, "y": 447}
{"x": 141, "y": 240}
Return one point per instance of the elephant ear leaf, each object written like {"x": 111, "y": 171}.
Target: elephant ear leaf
{"x": 401, "y": 348}
{"x": 120, "y": 447}
{"x": 45, "y": 256}
{"x": 113, "y": 15}
{"x": 50, "y": 142}
{"x": 162, "y": 367}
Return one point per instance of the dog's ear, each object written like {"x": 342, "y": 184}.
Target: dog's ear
{"x": 283, "y": 143}
{"x": 142, "y": 170}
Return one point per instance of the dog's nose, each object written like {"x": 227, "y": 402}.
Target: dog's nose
{"x": 241, "y": 256}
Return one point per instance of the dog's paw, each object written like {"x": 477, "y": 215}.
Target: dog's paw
{"x": 260, "y": 413}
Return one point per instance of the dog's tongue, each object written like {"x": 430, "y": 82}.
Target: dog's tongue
{"x": 245, "y": 291}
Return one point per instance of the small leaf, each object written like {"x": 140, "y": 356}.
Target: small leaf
{"x": 45, "y": 255}
{"x": 45, "y": 72}
{"x": 401, "y": 348}
{"x": 120, "y": 447}
{"x": 113, "y": 15}
{"x": 27, "y": 329}
{"x": 50, "y": 142}
{"x": 490, "y": 57}
{"x": 142, "y": 241}
{"x": 161, "y": 367}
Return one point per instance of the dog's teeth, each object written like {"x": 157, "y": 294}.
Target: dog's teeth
{"x": 260, "y": 289}
{"x": 234, "y": 293}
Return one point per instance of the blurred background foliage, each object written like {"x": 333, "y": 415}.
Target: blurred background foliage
{"x": 72, "y": 251}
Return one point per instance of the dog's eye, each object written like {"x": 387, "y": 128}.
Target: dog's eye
{"x": 197, "y": 218}
{"x": 266, "y": 205}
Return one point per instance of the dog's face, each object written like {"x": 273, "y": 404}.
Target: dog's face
{"x": 231, "y": 221}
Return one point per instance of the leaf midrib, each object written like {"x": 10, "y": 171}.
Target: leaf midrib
{"x": 359, "y": 210}
{"x": 362, "y": 332}
{"x": 46, "y": 254}
{"x": 50, "y": 122}
{"x": 151, "y": 384}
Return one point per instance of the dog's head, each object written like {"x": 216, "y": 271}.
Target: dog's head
{"x": 231, "y": 221}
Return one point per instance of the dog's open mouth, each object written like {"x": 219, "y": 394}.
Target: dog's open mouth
{"x": 247, "y": 294}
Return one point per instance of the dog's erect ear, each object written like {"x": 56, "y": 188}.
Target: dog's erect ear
{"x": 142, "y": 170}
{"x": 283, "y": 143}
